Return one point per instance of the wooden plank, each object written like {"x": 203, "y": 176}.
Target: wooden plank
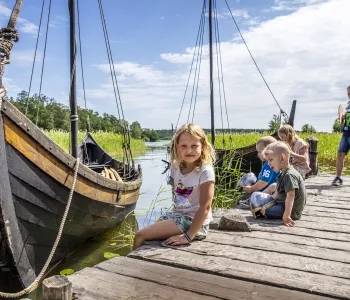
{"x": 336, "y": 228}
{"x": 272, "y": 258}
{"x": 287, "y": 278}
{"x": 333, "y": 215}
{"x": 202, "y": 283}
{"x": 330, "y": 205}
{"x": 93, "y": 283}
{"x": 306, "y": 232}
{"x": 285, "y": 247}
{"x": 288, "y": 238}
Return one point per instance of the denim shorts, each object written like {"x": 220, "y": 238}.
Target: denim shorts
{"x": 183, "y": 223}
{"x": 259, "y": 199}
{"x": 344, "y": 144}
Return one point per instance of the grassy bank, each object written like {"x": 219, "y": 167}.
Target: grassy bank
{"x": 110, "y": 142}
{"x": 327, "y": 145}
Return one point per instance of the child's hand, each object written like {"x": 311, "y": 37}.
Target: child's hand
{"x": 247, "y": 189}
{"x": 176, "y": 240}
{"x": 287, "y": 220}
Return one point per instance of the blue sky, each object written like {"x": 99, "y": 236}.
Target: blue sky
{"x": 301, "y": 46}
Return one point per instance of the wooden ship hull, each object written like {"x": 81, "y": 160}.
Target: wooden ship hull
{"x": 35, "y": 180}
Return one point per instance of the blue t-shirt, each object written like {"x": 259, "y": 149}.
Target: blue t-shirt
{"x": 268, "y": 175}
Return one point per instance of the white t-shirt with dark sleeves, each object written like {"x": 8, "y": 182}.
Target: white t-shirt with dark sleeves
{"x": 187, "y": 192}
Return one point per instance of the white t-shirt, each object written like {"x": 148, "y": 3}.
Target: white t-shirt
{"x": 187, "y": 192}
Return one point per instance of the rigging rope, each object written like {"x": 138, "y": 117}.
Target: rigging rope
{"x": 8, "y": 36}
{"x": 193, "y": 57}
{"x": 82, "y": 66}
{"x": 35, "y": 52}
{"x": 43, "y": 65}
{"x": 127, "y": 153}
{"x": 198, "y": 67}
{"x": 35, "y": 284}
{"x": 251, "y": 55}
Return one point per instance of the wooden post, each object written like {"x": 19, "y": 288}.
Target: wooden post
{"x": 313, "y": 151}
{"x": 57, "y": 288}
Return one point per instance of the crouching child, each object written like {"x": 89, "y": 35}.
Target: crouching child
{"x": 289, "y": 199}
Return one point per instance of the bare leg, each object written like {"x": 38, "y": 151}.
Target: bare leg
{"x": 157, "y": 231}
{"x": 271, "y": 189}
{"x": 340, "y": 162}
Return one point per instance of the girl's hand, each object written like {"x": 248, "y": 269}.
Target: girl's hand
{"x": 287, "y": 220}
{"x": 247, "y": 189}
{"x": 176, "y": 240}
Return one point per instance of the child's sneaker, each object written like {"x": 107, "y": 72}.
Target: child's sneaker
{"x": 244, "y": 203}
{"x": 337, "y": 181}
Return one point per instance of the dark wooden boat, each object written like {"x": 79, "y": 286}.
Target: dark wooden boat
{"x": 35, "y": 181}
{"x": 250, "y": 162}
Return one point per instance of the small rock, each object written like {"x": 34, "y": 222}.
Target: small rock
{"x": 234, "y": 223}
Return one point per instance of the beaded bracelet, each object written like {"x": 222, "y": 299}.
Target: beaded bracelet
{"x": 187, "y": 237}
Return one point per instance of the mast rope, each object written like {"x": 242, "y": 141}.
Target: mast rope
{"x": 127, "y": 153}
{"x": 35, "y": 283}
{"x": 82, "y": 66}
{"x": 8, "y": 36}
{"x": 43, "y": 64}
{"x": 193, "y": 58}
{"x": 35, "y": 53}
{"x": 256, "y": 65}
{"x": 198, "y": 67}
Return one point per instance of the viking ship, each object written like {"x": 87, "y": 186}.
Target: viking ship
{"x": 37, "y": 177}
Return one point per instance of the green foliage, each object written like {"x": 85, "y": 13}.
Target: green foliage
{"x": 275, "y": 123}
{"x": 336, "y": 125}
{"x": 111, "y": 142}
{"x": 135, "y": 130}
{"x": 49, "y": 114}
{"x": 109, "y": 255}
{"x": 150, "y": 135}
{"x": 307, "y": 128}
{"x": 67, "y": 272}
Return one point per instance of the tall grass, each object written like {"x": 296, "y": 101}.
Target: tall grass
{"x": 110, "y": 142}
{"x": 327, "y": 143}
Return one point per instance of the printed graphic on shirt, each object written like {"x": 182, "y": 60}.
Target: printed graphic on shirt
{"x": 266, "y": 173}
{"x": 181, "y": 196}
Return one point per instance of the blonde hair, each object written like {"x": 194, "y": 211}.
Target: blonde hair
{"x": 290, "y": 133}
{"x": 208, "y": 153}
{"x": 266, "y": 140}
{"x": 277, "y": 148}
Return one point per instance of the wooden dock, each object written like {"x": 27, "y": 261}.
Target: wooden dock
{"x": 309, "y": 261}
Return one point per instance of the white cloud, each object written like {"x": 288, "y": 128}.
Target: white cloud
{"x": 24, "y": 25}
{"x": 303, "y": 55}
{"x": 290, "y": 5}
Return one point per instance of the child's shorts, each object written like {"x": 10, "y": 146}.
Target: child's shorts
{"x": 273, "y": 209}
{"x": 344, "y": 144}
{"x": 184, "y": 223}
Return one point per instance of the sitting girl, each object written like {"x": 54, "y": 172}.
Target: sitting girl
{"x": 193, "y": 177}
{"x": 299, "y": 155}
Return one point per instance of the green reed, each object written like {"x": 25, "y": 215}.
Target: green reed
{"x": 228, "y": 172}
{"x": 110, "y": 142}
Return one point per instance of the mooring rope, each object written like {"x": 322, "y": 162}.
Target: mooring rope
{"x": 35, "y": 284}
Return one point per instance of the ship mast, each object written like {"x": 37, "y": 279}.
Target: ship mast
{"x": 73, "y": 94}
{"x": 211, "y": 71}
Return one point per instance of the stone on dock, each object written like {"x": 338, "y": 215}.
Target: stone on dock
{"x": 234, "y": 222}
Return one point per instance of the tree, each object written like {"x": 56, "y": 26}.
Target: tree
{"x": 135, "y": 130}
{"x": 150, "y": 135}
{"x": 275, "y": 123}
{"x": 307, "y": 128}
{"x": 336, "y": 125}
